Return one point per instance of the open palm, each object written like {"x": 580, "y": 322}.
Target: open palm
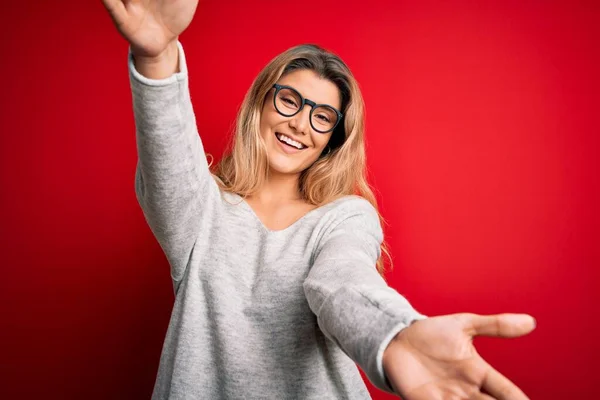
{"x": 151, "y": 25}
{"x": 435, "y": 358}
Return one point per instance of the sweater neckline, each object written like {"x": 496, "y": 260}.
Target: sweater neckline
{"x": 263, "y": 227}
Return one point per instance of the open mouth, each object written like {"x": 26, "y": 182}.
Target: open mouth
{"x": 288, "y": 141}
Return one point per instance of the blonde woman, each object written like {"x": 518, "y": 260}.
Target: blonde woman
{"x": 275, "y": 255}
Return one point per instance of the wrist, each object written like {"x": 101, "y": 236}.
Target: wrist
{"x": 397, "y": 344}
{"x": 387, "y": 363}
{"x": 390, "y": 347}
{"x": 160, "y": 66}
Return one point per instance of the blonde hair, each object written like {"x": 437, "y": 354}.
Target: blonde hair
{"x": 340, "y": 171}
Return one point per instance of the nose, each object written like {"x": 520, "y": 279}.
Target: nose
{"x": 301, "y": 121}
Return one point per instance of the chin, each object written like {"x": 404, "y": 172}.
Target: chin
{"x": 283, "y": 167}
{"x": 282, "y": 164}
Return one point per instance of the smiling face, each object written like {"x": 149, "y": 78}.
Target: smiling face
{"x": 276, "y": 129}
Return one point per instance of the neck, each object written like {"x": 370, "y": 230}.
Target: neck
{"x": 279, "y": 188}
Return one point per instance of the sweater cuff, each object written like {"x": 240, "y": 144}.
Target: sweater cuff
{"x": 176, "y": 77}
{"x": 383, "y": 379}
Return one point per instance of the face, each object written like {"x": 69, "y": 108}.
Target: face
{"x": 275, "y": 128}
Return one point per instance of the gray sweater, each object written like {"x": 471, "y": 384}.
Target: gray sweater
{"x": 258, "y": 314}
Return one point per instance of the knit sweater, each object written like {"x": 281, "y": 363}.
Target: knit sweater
{"x": 258, "y": 313}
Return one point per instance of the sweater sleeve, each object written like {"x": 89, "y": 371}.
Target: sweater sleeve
{"x": 173, "y": 184}
{"x": 354, "y": 306}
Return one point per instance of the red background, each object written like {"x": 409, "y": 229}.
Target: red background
{"x": 482, "y": 127}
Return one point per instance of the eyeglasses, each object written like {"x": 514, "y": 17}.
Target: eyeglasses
{"x": 288, "y": 102}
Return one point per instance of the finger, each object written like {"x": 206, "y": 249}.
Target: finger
{"x": 500, "y": 387}
{"x": 116, "y": 9}
{"x": 500, "y": 325}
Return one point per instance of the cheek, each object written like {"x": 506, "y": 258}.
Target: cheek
{"x": 320, "y": 141}
{"x": 268, "y": 120}
{"x": 265, "y": 123}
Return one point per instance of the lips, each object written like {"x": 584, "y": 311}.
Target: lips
{"x": 288, "y": 141}
{"x": 286, "y": 148}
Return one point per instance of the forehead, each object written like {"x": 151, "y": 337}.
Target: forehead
{"x": 312, "y": 87}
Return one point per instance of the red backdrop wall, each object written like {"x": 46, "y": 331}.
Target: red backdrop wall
{"x": 482, "y": 126}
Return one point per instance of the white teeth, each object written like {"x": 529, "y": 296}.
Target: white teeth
{"x": 290, "y": 141}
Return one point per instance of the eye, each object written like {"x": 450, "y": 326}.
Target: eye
{"x": 323, "y": 118}
{"x": 289, "y": 101}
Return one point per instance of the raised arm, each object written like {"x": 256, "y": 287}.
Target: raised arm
{"x": 173, "y": 184}
{"x": 172, "y": 181}
{"x": 353, "y": 304}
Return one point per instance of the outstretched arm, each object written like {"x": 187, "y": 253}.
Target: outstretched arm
{"x": 354, "y": 306}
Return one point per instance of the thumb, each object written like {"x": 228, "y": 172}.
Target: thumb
{"x": 499, "y": 325}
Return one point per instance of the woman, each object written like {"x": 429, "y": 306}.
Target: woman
{"x": 273, "y": 257}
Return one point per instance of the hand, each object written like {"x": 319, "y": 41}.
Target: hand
{"x": 435, "y": 358}
{"x": 150, "y": 26}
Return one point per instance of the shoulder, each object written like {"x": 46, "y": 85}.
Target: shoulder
{"x": 353, "y": 206}
{"x": 351, "y": 223}
{"x": 351, "y": 212}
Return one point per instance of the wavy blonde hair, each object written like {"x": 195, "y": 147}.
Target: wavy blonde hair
{"x": 340, "y": 171}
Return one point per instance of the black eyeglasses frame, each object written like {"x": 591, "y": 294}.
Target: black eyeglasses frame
{"x": 311, "y": 103}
